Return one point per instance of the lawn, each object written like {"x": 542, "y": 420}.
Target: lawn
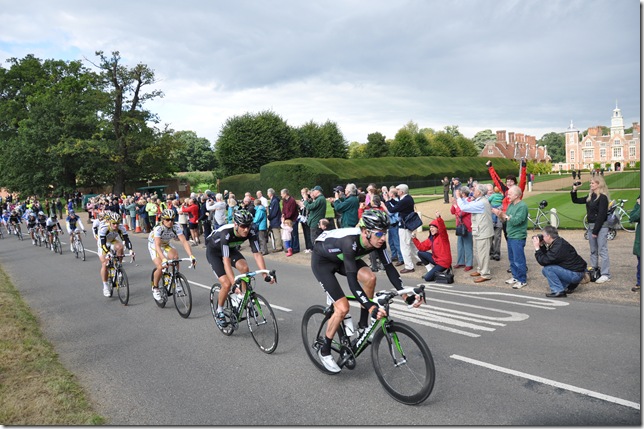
{"x": 625, "y": 180}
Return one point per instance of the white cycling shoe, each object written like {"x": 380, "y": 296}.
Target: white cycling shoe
{"x": 107, "y": 291}
{"x": 328, "y": 362}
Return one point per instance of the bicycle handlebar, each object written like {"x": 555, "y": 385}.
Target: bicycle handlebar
{"x": 271, "y": 275}
{"x": 176, "y": 261}
{"x": 384, "y": 296}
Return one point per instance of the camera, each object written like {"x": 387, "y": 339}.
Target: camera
{"x": 539, "y": 236}
{"x": 577, "y": 183}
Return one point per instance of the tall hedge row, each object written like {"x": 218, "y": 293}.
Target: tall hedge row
{"x": 298, "y": 173}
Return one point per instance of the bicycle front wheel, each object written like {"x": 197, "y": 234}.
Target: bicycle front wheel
{"x": 59, "y": 246}
{"x": 81, "y": 249}
{"x": 314, "y": 325}
{"x": 228, "y": 310}
{"x": 403, "y": 363}
{"x": 20, "y": 234}
{"x": 262, "y": 324}
{"x": 182, "y": 295}
{"x": 544, "y": 220}
{"x": 122, "y": 286}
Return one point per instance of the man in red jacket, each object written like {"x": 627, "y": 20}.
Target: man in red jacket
{"x": 440, "y": 257}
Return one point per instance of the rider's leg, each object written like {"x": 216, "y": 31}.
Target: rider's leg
{"x": 367, "y": 279}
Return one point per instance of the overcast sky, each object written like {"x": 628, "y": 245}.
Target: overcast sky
{"x": 528, "y": 66}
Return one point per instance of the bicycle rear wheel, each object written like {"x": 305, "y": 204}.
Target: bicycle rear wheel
{"x": 625, "y": 222}
{"x": 262, "y": 324}
{"x": 231, "y": 319}
{"x": 544, "y": 220}
{"x": 182, "y": 296}
{"x": 122, "y": 286}
{"x": 314, "y": 325}
{"x": 403, "y": 363}
{"x": 81, "y": 249}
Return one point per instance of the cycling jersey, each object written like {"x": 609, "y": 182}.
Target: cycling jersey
{"x": 165, "y": 234}
{"x": 31, "y": 221}
{"x": 50, "y": 224}
{"x": 224, "y": 243}
{"x": 341, "y": 251}
{"x": 74, "y": 223}
{"x": 42, "y": 220}
{"x": 107, "y": 235}
{"x": 14, "y": 219}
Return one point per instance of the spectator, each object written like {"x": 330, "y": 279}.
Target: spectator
{"x": 151, "y": 208}
{"x": 204, "y": 214}
{"x": 495, "y": 197}
{"x": 634, "y": 217}
{"x": 59, "y": 206}
{"x": 191, "y": 208}
{"x": 371, "y": 192}
{"x": 130, "y": 206}
{"x": 597, "y": 212}
{"x": 262, "y": 225}
{"x": 302, "y": 218}
{"x": 574, "y": 175}
{"x": 440, "y": 257}
{"x": 143, "y": 216}
{"x": 482, "y": 230}
{"x": 232, "y": 206}
{"x": 347, "y": 206}
{"x": 562, "y": 266}
{"x": 446, "y": 185}
{"x": 290, "y": 212}
{"x": 286, "y": 231}
{"x": 316, "y": 206}
{"x": 275, "y": 219}
{"x": 404, "y": 207}
{"x": 218, "y": 210}
{"x": 393, "y": 234}
{"x": 248, "y": 204}
{"x": 516, "y": 219}
{"x": 262, "y": 198}
{"x": 464, "y": 243}
{"x": 456, "y": 184}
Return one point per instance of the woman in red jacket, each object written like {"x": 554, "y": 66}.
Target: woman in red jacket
{"x": 440, "y": 257}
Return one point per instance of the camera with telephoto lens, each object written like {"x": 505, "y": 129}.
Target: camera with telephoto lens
{"x": 539, "y": 236}
{"x": 578, "y": 183}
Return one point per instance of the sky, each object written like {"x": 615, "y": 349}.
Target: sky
{"x": 528, "y": 66}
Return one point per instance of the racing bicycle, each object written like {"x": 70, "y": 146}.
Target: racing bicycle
{"x": 55, "y": 242}
{"x": 401, "y": 358}
{"x": 251, "y": 307}
{"x": 77, "y": 245}
{"x": 543, "y": 219}
{"x": 116, "y": 276}
{"x": 174, "y": 284}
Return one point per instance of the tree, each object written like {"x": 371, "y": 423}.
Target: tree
{"x": 194, "y": 153}
{"x": 556, "y": 146}
{"x": 376, "y": 146}
{"x": 357, "y": 150}
{"x": 247, "y": 142}
{"x": 136, "y": 151}
{"x": 452, "y": 130}
{"x": 466, "y": 146}
{"x": 404, "y": 144}
{"x": 482, "y": 138}
{"x": 443, "y": 145}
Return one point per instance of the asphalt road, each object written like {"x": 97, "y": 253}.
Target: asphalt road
{"x": 502, "y": 358}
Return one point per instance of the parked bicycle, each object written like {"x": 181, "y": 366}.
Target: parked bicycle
{"x": 622, "y": 218}
{"x": 77, "y": 245}
{"x": 116, "y": 276}
{"x": 251, "y": 307}
{"x": 173, "y": 283}
{"x": 401, "y": 358}
{"x": 543, "y": 219}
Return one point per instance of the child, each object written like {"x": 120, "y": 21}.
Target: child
{"x": 287, "y": 229}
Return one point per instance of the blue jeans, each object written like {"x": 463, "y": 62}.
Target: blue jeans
{"x": 394, "y": 243}
{"x": 516, "y": 254}
{"x": 428, "y": 258}
{"x": 464, "y": 247}
{"x": 559, "y": 278}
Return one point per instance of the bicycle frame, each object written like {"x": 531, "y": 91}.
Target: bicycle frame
{"x": 249, "y": 279}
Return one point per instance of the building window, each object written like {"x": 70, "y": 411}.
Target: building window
{"x": 602, "y": 153}
{"x": 572, "y": 155}
{"x": 589, "y": 153}
{"x": 490, "y": 151}
{"x": 589, "y": 143}
{"x": 616, "y": 142}
{"x": 632, "y": 142}
{"x": 631, "y": 152}
{"x": 617, "y": 153}
{"x": 602, "y": 144}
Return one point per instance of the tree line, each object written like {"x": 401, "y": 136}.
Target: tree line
{"x": 71, "y": 124}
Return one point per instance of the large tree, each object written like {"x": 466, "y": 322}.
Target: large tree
{"x": 194, "y": 153}
{"x": 482, "y": 138}
{"x": 376, "y": 146}
{"x": 556, "y": 146}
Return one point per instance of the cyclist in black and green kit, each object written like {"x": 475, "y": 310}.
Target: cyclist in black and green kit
{"x": 341, "y": 251}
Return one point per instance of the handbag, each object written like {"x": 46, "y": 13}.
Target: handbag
{"x": 461, "y": 229}
{"x": 412, "y": 221}
{"x": 594, "y": 273}
{"x": 445, "y": 277}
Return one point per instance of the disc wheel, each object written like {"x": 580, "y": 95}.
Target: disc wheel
{"x": 403, "y": 363}
{"x": 314, "y": 324}
{"x": 231, "y": 319}
{"x": 122, "y": 287}
{"x": 182, "y": 296}
{"x": 262, "y": 324}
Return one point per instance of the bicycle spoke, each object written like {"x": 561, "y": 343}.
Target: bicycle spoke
{"x": 123, "y": 286}
{"x": 314, "y": 325}
{"x": 182, "y": 296}
{"x": 262, "y": 324}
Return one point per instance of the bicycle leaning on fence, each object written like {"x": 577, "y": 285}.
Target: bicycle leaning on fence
{"x": 401, "y": 358}
{"x": 248, "y": 305}
{"x": 543, "y": 219}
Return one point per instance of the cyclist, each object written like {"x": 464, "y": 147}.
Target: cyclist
{"x": 15, "y": 220}
{"x": 74, "y": 225}
{"x": 42, "y": 221}
{"x": 5, "y": 220}
{"x": 52, "y": 224}
{"x": 341, "y": 251}
{"x": 111, "y": 235}
{"x": 32, "y": 224}
{"x": 161, "y": 249}
{"x": 223, "y": 254}
{"x": 99, "y": 221}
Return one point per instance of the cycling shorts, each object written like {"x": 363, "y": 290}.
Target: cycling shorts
{"x": 153, "y": 250}
{"x": 216, "y": 261}
{"x": 325, "y": 271}
{"x": 109, "y": 244}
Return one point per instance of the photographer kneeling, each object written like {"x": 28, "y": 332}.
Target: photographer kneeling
{"x": 562, "y": 266}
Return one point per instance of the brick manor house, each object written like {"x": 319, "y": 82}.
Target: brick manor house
{"x": 613, "y": 152}
{"x": 515, "y": 146}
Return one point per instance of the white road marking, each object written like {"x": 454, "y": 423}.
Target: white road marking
{"x": 550, "y": 382}
{"x": 273, "y": 306}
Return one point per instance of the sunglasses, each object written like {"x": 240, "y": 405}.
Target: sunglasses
{"x": 378, "y": 234}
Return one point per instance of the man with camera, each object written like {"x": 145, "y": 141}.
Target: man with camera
{"x": 562, "y": 266}
{"x": 346, "y": 203}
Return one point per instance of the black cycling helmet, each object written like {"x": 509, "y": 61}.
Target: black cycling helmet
{"x": 375, "y": 219}
{"x": 243, "y": 217}
{"x": 543, "y": 204}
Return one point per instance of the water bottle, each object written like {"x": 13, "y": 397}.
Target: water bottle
{"x": 348, "y": 324}
{"x": 236, "y": 299}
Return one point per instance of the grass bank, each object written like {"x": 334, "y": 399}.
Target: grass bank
{"x": 35, "y": 389}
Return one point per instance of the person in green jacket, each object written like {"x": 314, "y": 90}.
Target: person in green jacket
{"x": 516, "y": 221}
{"x": 347, "y": 205}
{"x": 316, "y": 206}
{"x": 635, "y": 217}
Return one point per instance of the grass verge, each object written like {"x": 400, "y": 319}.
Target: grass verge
{"x": 35, "y": 388}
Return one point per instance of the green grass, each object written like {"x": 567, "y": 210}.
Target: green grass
{"x": 625, "y": 180}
